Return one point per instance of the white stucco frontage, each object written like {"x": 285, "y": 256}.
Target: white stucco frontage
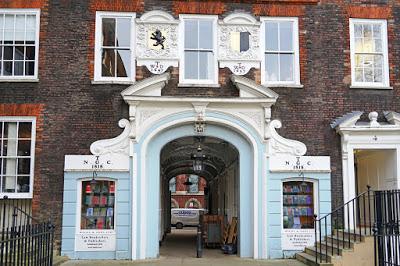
{"x": 269, "y": 163}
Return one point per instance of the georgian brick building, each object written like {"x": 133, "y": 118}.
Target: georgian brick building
{"x": 236, "y": 72}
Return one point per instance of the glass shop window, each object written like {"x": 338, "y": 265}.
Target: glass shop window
{"x": 114, "y": 47}
{"x": 98, "y": 205}
{"x": 298, "y": 205}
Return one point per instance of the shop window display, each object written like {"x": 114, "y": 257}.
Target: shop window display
{"x": 98, "y": 205}
{"x": 298, "y": 205}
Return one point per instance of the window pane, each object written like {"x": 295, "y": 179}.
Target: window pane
{"x": 19, "y": 52}
{"x": 123, "y": 32}
{"x": 24, "y": 166}
{"x": 20, "y": 23}
{"x": 378, "y": 45}
{"x": 8, "y": 53}
{"x": 7, "y": 68}
{"x": 368, "y": 74}
{"x": 23, "y": 184}
{"x": 358, "y": 60}
{"x": 378, "y": 75}
{"x": 98, "y": 201}
{"x": 19, "y": 37}
{"x": 286, "y": 67}
{"x": 191, "y": 65}
{"x": 108, "y": 63}
{"x": 108, "y": 31}
{"x": 271, "y": 36}
{"x": 31, "y": 22}
{"x": 10, "y": 130}
{"x": 205, "y": 34}
{"x": 286, "y": 36}
{"x": 9, "y": 184}
{"x": 24, "y": 130}
{"x": 19, "y": 68}
{"x": 9, "y": 22}
{"x": 29, "y": 68}
{"x": 24, "y": 148}
{"x": 358, "y": 30}
{"x": 298, "y": 205}
{"x": 367, "y": 31}
{"x": 191, "y": 34}
{"x": 30, "y": 53}
{"x": 123, "y": 63}
{"x": 377, "y": 31}
{"x": 358, "y": 45}
{"x": 30, "y": 37}
{"x": 368, "y": 45}
{"x": 10, "y": 166}
{"x": 206, "y": 65}
{"x": 359, "y": 75}
{"x": 271, "y": 67}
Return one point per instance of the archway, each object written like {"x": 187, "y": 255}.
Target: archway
{"x": 148, "y": 178}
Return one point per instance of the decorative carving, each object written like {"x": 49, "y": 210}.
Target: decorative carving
{"x": 256, "y": 117}
{"x": 119, "y": 144}
{"x": 157, "y": 41}
{"x": 147, "y": 114}
{"x": 200, "y": 112}
{"x": 239, "y": 48}
{"x": 279, "y": 144}
{"x": 347, "y": 120}
{"x": 392, "y": 117}
{"x": 373, "y": 118}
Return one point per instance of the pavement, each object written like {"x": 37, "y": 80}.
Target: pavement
{"x": 179, "y": 248}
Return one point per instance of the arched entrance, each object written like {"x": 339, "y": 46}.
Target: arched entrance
{"x": 170, "y": 129}
{"x": 210, "y": 187}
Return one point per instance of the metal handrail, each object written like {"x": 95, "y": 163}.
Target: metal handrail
{"x": 341, "y": 213}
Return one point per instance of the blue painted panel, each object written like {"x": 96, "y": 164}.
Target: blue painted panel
{"x": 68, "y": 244}
{"x": 70, "y": 196}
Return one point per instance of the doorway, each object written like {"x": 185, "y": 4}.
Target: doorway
{"x": 199, "y": 176}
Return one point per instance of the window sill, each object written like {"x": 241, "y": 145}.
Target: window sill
{"x": 371, "y": 87}
{"x": 19, "y": 80}
{"x": 14, "y": 195}
{"x": 295, "y": 86}
{"x": 194, "y": 85}
{"x": 119, "y": 82}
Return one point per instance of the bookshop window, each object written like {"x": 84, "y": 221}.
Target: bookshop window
{"x": 98, "y": 204}
{"x": 298, "y": 205}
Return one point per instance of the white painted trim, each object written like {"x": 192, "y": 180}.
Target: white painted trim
{"x": 296, "y": 50}
{"x": 181, "y": 47}
{"x": 97, "y": 50}
{"x": 79, "y": 205}
{"x": 134, "y": 205}
{"x": 26, "y": 11}
{"x": 385, "y": 75}
{"x": 31, "y": 119}
{"x": 236, "y": 128}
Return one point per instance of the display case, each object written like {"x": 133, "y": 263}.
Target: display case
{"x": 98, "y": 204}
{"x": 298, "y": 205}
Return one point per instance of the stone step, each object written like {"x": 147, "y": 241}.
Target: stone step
{"x": 332, "y": 247}
{"x": 339, "y": 242}
{"x": 324, "y": 255}
{"x": 354, "y": 236}
{"x": 310, "y": 260}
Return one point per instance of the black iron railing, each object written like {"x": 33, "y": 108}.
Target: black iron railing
{"x": 387, "y": 227}
{"x": 24, "y": 240}
{"x": 345, "y": 225}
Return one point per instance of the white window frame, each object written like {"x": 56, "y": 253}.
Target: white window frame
{"x": 31, "y": 119}
{"x": 25, "y": 11}
{"x": 198, "y": 82}
{"x": 296, "y": 69}
{"x": 315, "y": 196}
{"x": 98, "y": 43}
{"x": 79, "y": 206}
{"x": 385, "y": 75}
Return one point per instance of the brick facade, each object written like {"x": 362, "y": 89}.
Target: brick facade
{"x": 72, "y": 112}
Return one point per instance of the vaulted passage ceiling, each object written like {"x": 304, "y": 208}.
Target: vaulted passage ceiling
{"x": 176, "y": 156}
